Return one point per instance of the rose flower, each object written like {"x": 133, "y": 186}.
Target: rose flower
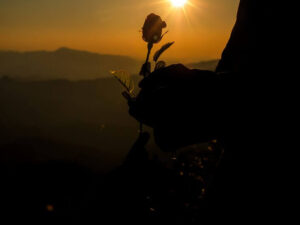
{"x": 152, "y": 29}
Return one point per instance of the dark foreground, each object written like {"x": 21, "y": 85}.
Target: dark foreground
{"x": 142, "y": 190}
{"x": 65, "y": 159}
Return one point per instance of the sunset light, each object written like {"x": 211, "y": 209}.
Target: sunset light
{"x": 200, "y": 28}
{"x": 178, "y": 3}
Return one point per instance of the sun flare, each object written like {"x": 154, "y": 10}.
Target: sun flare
{"x": 178, "y": 3}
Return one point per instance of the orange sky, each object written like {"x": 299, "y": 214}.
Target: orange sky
{"x": 200, "y": 30}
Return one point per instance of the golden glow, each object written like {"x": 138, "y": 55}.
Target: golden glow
{"x": 178, "y": 3}
{"x": 200, "y": 28}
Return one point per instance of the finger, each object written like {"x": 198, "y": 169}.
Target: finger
{"x": 169, "y": 74}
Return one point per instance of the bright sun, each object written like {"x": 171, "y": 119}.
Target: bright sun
{"x": 178, "y": 3}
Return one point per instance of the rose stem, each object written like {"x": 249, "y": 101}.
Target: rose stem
{"x": 150, "y": 45}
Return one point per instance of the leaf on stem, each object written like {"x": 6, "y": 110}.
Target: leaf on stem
{"x": 124, "y": 79}
{"x": 161, "y": 50}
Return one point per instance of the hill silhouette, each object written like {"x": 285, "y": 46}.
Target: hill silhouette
{"x": 70, "y": 64}
{"x": 64, "y": 63}
{"x": 81, "y": 115}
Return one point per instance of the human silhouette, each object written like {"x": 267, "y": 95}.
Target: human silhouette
{"x": 232, "y": 104}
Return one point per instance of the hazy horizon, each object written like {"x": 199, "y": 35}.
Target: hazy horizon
{"x": 200, "y": 30}
{"x": 72, "y": 64}
{"x": 99, "y": 53}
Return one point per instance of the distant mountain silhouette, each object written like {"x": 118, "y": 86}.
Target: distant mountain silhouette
{"x": 61, "y": 117}
{"x": 64, "y": 63}
{"x": 204, "y": 65}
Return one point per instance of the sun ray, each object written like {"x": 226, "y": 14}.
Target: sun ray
{"x": 192, "y": 4}
{"x": 186, "y": 17}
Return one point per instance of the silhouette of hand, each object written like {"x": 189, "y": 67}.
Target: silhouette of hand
{"x": 167, "y": 76}
{"x": 165, "y": 91}
{"x": 176, "y": 101}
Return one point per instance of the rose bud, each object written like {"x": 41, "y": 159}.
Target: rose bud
{"x": 152, "y": 29}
